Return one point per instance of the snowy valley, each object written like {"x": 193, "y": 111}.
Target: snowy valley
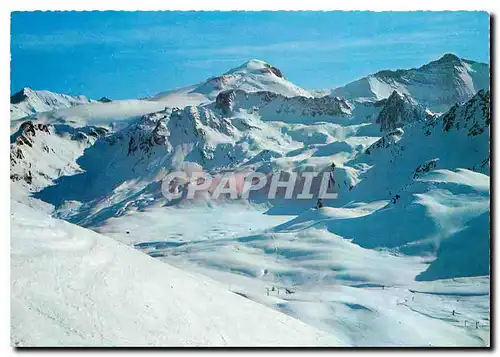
{"x": 100, "y": 257}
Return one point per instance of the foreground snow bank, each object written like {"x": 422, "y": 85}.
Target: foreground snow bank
{"x": 73, "y": 287}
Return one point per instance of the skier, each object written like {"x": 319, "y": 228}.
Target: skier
{"x": 331, "y": 182}
{"x": 319, "y": 204}
{"x": 332, "y": 175}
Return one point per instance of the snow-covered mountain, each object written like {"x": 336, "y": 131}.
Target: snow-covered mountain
{"x": 456, "y": 139}
{"x": 437, "y": 85}
{"x": 261, "y": 129}
{"x": 252, "y": 76}
{"x": 41, "y": 153}
{"x": 398, "y": 110}
{"x": 413, "y": 188}
{"x": 28, "y": 101}
{"x": 273, "y": 106}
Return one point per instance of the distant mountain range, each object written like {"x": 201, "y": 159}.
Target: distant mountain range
{"x": 408, "y": 152}
{"x": 436, "y": 85}
{"x": 382, "y": 132}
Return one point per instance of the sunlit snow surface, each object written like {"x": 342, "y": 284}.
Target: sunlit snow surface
{"x": 364, "y": 296}
{"x": 74, "y": 287}
{"x": 362, "y": 271}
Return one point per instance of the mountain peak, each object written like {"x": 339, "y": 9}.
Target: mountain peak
{"x": 446, "y": 80}
{"x": 256, "y": 62}
{"x": 252, "y": 76}
{"x": 448, "y": 58}
{"x": 398, "y": 110}
{"x": 395, "y": 95}
{"x": 255, "y": 66}
{"x": 400, "y": 97}
{"x": 250, "y": 66}
{"x": 29, "y": 101}
{"x": 18, "y": 97}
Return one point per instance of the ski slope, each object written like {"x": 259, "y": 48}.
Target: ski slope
{"x": 73, "y": 287}
{"x": 365, "y": 297}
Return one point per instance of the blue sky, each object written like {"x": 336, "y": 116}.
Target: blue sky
{"x": 135, "y": 54}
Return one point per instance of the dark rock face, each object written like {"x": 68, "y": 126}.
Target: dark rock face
{"x": 224, "y": 101}
{"x": 25, "y": 136}
{"x": 33, "y": 135}
{"x": 104, "y": 100}
{"x": 143, "y": 137}
{"x": 275, "y": 71}
{"x": 18, "y": 97}
{"x": 399, "y": 110}
{"x": 449, "y": 59}
{"x": 449, "y": 118}
{"x": 221, "y": 81}
{"x": 468, "y": 121}
{"x": 473, "y": 116}
{"x": 324, "y": 106}
{"x": 425, "y": 167}
{"x": 28, "y": 128}
{"x": 388, "y": 74}
{"x": 16, "y": 153}
{"x": 159, "y": 133}
{"x": 385, "y": 141}
{"x": 27, "y": 131}
{"x": 436, "y": 85}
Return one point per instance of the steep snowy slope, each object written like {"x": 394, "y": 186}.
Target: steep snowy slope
{"x": 73, "y": 287}
{"x": 124, "y": 169}
{"x": 252, "y": 76}
{"x": 41, "y": 153}
{"x": 459, "y": 138}
{"x": 46, "y": 145}
{"x": 437, "y": 85}
{"x": 28, "y": 101}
